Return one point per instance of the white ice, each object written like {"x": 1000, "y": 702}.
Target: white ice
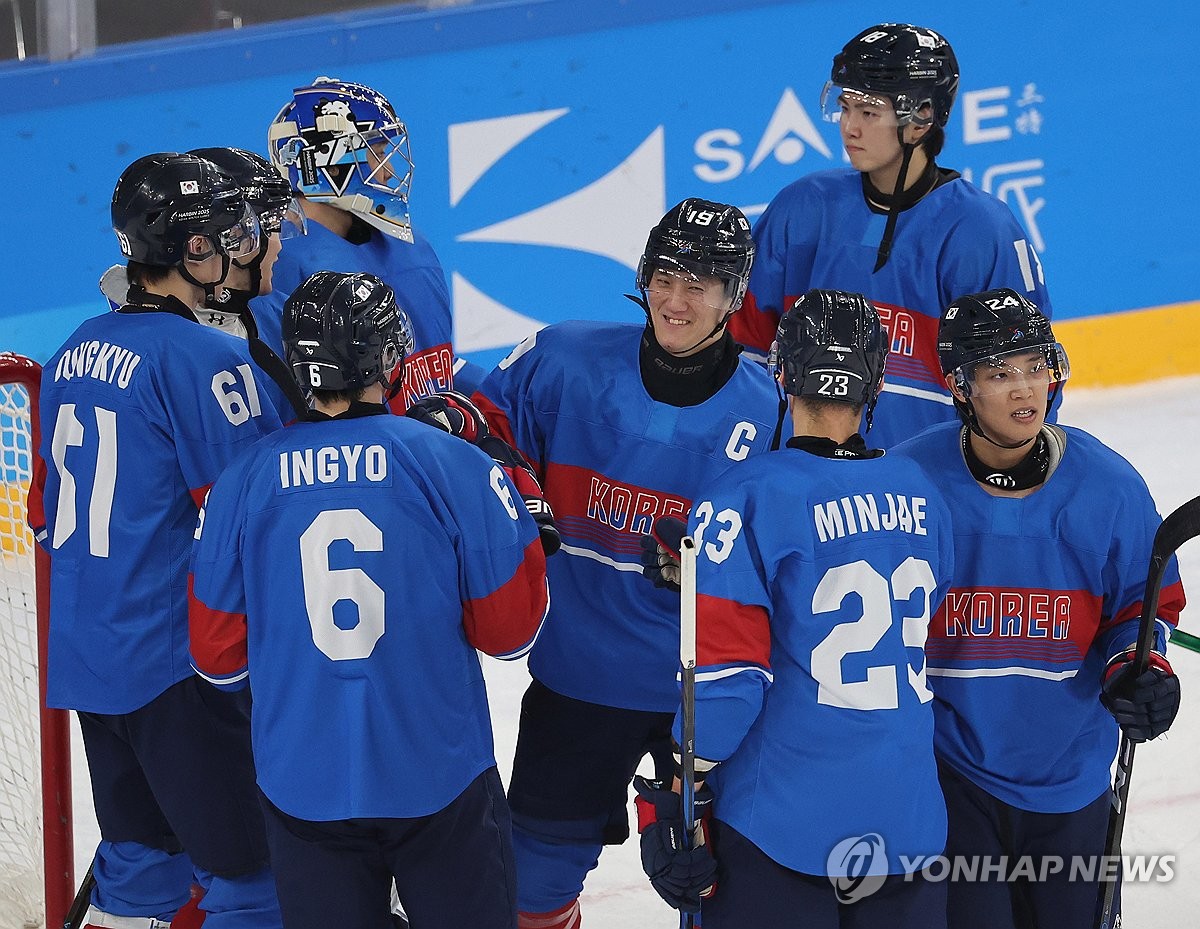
{"x": 1157, "y": 427}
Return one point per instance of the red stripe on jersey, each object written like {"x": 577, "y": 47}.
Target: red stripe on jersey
{"x": 728, "y": 632}
{"x": 508, "y": 617}
{"x": 1012, "y": 614}
{"x": 218, "y": 639}
{"x": 913, "y": 338}
{"x": 753, "y": 327}
{"x": 1170, "y": 602}
{"x": 612, "y": 505}
{"x": 198, "y": 495}
{"x": 428, "y": 371}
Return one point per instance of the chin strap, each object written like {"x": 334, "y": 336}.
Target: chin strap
{"x": 645, "y": 305}
{"x": 210, "y": 289}
{"x": 889, "y": 230}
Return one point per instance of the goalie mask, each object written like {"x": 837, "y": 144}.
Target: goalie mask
{"x": 831, "y": 346}
{"x": 344, "y": 332}
{"x": 341, "y": 143}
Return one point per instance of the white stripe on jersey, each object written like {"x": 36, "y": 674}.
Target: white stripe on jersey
{"x": 1002, "y": 672}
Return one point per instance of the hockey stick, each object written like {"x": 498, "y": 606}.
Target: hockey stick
{"x": 1179, "y": 527}
{"x": 83, "y": 900}
{"x": 687, "y": 716}
{"x": 1185, "y": 640}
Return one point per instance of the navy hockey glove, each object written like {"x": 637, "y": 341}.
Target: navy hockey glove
{"x": 1144, "y": 706}
{"x": 527, "y": 485}
{"x": 680, "y": 875}
{"x": 660, "y": 551}
{"x": 451, "y": 412}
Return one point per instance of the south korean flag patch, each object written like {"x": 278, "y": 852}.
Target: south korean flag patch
{"x": 189, "y": 187}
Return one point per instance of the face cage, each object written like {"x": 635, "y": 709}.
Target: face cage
{"x": 903, "y": 105}
{"x": 372, "y": 154}
{"x": 1057, "y": 368}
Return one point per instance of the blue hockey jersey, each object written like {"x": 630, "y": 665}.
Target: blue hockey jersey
{"x": 1046, "y": 589}
{"x": 140, "y": 413}
{"x": 818, "y": 232}
{"x": 370, "y": 557}
{"x": 816, "y": 579}
{"x": 411, "y": 269}
{"x": 611, "y": 459}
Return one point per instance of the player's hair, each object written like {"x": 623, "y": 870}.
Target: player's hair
{"x": 817, "y": 406}
{"x": 144, "y": 274}
{"x": 933, "y": 141}
{"x": 337, "y": 396}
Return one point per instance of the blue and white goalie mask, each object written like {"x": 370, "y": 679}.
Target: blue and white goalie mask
{"x": 341, "y": 143}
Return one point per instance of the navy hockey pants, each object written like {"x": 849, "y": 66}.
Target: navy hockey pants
{"x": 452, "y": 868}
{"x": 755, "y": 890}
{"x": 570, "y": 788}
{"x": 984, "y": 828}
{"x": 178, "y": 774}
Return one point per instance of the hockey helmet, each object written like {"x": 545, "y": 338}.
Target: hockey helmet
{"x": 267, "y": 192}
{"x": 700, "y": 238}
{"x": 169, "y": 207}
{"x": 831, "y": 345}
{"x": 989, "y": 330}
{"x": 911, "y": 66}
{"x": 344, "y": 332}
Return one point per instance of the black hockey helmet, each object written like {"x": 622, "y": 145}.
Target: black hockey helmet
{"x": 265, "y": 189}
{"x": 345, "y": 332}
{"x": 910, "y": 65}
{"x": 831, "y": 346}
{"x": 705, "y": 239}
{"x": 987, "y": 329}
{"x": 163, "y": 202}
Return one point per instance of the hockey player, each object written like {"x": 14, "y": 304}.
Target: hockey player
{"x": 895, "y": 226}
{"x": 623, "y": 422}
{"x": 1052, "y": 536}
{"x": 141, "y": 409}
{"x": 372, "y": 736}
{"x": 814, "y": 720}
{"x": 342, "y": 146}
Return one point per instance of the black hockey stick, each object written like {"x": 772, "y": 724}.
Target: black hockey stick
{"x": 83, "y": 899}
{"x": 1179, "y": 527}
{"x": 687, "y": 714}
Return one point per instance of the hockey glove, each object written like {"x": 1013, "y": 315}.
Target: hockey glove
{"x": 660, "y": 551}
{"x": 1144, "y": 706}
{"x": 527, "y": 485}
{"x": 680, "y": 875}
{"x": 451, "y": 412}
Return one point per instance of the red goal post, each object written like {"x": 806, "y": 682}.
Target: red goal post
{"x": 36, "y": 847}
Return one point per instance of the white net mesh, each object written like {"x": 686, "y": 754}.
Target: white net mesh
{"x": 20, "y": 759}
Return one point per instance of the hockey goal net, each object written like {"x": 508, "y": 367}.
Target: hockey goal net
{"x": 35, "y": 786}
